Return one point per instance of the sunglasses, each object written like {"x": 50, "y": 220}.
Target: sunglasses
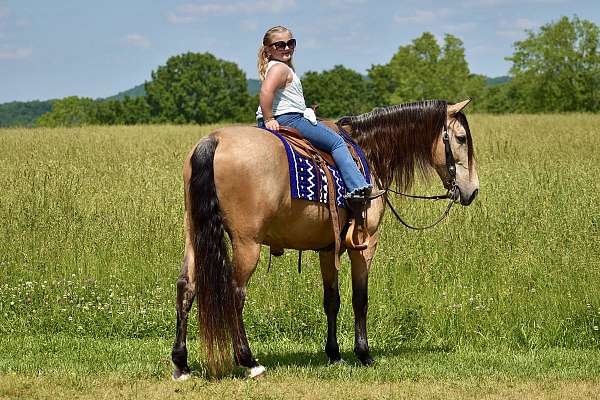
{"x": 281, "y": 45}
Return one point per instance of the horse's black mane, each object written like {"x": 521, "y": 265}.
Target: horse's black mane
{"x": 398, "y": 140}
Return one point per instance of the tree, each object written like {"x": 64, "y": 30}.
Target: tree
{"x": 129, "y": 111}
{"x": 23, "y": 113}
{"x": 558, "y": 68}
{"x": 70, "y": 111}
{"x": 135, "y": 110}
{"x": 497, "y": 99}
{"x": 424, "y": 70}
{"x": 339, "y": 91}
{"x": 197, "y": 88}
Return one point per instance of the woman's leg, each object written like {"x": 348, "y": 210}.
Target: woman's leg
{"x": 325, "y": 139}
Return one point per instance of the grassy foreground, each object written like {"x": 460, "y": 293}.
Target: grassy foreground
{"x": 501, "y": 300}
{"x": 71, "y": 367}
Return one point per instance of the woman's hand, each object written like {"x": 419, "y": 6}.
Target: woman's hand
{"x": 272, "y": 124}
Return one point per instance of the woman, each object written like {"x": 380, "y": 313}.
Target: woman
{"x": 282, "y": 103}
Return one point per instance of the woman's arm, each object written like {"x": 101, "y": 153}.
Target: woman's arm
{"x": 276, "y": 79}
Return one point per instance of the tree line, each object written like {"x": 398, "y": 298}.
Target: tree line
{"x": 23, "y": 113}
{"x": 554, "y": 69}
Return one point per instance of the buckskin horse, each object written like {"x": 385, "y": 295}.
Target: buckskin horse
{"x": 237, "y": 182}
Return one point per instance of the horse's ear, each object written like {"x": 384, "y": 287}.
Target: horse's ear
{"x": 454, "y": 108}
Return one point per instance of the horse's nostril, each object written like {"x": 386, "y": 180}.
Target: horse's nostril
{"x": 473, "y": 195}
{"x": 465, "y": 201}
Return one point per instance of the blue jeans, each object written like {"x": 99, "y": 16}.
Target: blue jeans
{"x": 325, "y": 139}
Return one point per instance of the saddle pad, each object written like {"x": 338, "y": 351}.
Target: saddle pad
{"x": 308, "y": 181}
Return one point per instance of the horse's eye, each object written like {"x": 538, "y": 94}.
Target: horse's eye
{"x": 461, "y": 139}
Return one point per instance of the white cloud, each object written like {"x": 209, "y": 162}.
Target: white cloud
{"x": 465, "y": 27}
{"x": 487, "y": 3}
{"x": 191, "y": 12}
{"x": 23, "y": 23}
{"x": 515, "y": 29}
{"x": 249, "y": 25}
{"x": 482, "y": 49}
{"x": 511, "y": 35}
{"x": 137, "y": 40}
{"x": 179, "y": 19}
{"x": 501, "y": 3}
{"x": 311, "y": 43}
{"x": 4, "y": 12}
{"x": 524, "y": 23}
{"x": 15, "y": 54}
{"x": 344, "y": 3}
{"x": 422, "y": 17}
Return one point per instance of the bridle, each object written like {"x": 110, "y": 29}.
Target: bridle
{"x": 452, "y": 194}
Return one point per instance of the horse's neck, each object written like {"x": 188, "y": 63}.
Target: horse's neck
{"x": 377, "y": 205}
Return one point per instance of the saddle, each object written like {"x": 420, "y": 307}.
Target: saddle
{"x": 357, "y": 236}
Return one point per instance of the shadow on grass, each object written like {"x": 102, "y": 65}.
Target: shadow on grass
{"x": 281, "y": 360}
{"x": 285, "y": 359}
{"x": 400, "y": 351}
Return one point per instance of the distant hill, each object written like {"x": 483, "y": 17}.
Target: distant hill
{"x": 23, "y": 113}
{"x": 253, "y": 86}
{"x": 137, "y": 91}
{"x": 497, "y": 80}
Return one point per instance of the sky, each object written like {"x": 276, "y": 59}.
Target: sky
{"x": 92, "y": 48}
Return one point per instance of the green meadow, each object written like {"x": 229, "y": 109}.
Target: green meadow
{"x": 502, "y": 300}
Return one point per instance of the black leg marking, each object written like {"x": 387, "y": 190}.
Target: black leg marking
{"x": 331, "y": 303}
{"x": 331, "y": 306}
{"x": 360, "y": 306}
{"x": 185, "y": 299}
{"x": 241, "y": 347}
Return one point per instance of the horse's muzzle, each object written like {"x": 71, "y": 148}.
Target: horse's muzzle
{"x": 465, "y": 201}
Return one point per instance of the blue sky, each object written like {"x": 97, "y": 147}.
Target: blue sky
{"x": 53, "y": 49}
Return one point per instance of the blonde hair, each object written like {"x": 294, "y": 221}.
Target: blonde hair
{"x": 263, "y": 57}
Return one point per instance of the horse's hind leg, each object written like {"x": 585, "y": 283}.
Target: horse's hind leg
{"x": 186, "y": 290}
{"x": 331, "y": 303}
{"x": 245, "y": 258}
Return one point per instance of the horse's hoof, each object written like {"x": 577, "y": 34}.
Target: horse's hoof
{"x": 179, "y": 376}
{"x": 339, "y": 361}
{"x": 368, "y": 362}
{"x": 256, "y": 372}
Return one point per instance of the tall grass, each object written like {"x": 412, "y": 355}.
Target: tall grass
{"x": 91, "y": 244}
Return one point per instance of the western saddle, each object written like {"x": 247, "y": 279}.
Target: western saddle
{"x": 356, "y": 233}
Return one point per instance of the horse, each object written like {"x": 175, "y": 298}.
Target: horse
{"x": 237, "y": 185}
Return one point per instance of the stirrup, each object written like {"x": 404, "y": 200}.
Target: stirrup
{"x": 357, "y": 236}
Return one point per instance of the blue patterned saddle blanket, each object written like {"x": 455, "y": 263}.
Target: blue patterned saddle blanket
{"x": 308, "y": 181}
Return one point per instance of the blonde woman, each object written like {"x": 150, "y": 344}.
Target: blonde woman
{"x": 282, "y": 103}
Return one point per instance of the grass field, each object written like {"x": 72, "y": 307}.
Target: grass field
{"x": 500, "y": 301}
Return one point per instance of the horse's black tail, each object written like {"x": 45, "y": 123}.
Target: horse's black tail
{"x": 217, "y": 318}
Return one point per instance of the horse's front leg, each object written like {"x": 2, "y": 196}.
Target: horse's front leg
{"x": 361, "y": 261}
{"x": 186, "y": 290}
{"x": 331, "y": 304}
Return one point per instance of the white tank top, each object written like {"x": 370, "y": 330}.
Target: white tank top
{"x": 286, "y": 100}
